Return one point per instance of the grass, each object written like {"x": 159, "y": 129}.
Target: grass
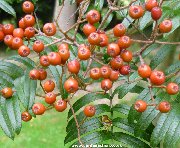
{"x": 41, "y": 132}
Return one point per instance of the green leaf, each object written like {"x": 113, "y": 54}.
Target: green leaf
{"x": 121, "y": 108}
{"x": 99, "y": 4}
{"x": 90, "y": 97}
{"x": 161, "y": 54}
{"x": 6, "y": 80}
{"x": 7, "y": 8}
{"x": 173, "y": 68}
{"x": 146, "y": 19}
{"x": 129, "y": 140}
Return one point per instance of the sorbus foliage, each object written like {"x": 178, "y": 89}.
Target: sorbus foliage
{"x": 115, "y": 50}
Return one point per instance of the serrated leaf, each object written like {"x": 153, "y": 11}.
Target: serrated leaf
{"x": 129, "y": 140}
{"x": 90, "y": 97}
{"x": 161, "y": 54}
{"x": 173, "y": 68}
{"x": 145, "y": 20}
{"x": 121, "y": 108}
{"x": 7, "y": 8}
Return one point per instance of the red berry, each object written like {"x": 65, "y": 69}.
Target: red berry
{"x": 116, "y": 63}
{"x": 8, "y": 40}
{"x": 89, "y": 111}
{"x": 8, "y": 29}
{"x": 124, "y": 42}
{"x": 93, "y": 16}
{"x": 151, "y": 4}
{"x": 103, "y": 40}
{"x": 88, "y": 29}
{"x": 34, "y": 74}
{"x": 71, "y": 85}
{"x": 38, "y": 109}
{"x": 54, "y": 58}
{"x": 95, "y": 73}
{"x": 164, "y": 107}
{"x": 50, "y": 98}
{"x": 105, "y": 72}
{"x": 125, "y": 70}
{"x": 23, "y": 51}
{"x": 119, "y": 30}
{"x": 63, "y": 46}
{"x": 114, "y": 75}
{"x": 29, "y": 20}
{"x": 126, "y": 55}
{"x": 25, "y": 116}
{"x": 144, "y": 71}
{"x": 157, "y": 77}
{"x": 49, "y": 86}
{"x": 17, "y": 43}
{"x": 140, "y": 106}
{"x": 28, "y": 7}
{"x": 44, "y": 61}
{"x": 113, "y": 50}
{"x": 64, "y": 53}
{"x": 136, "y": 12}
{"x": 172, "y": 88}
{"x": 84, "y": 52}
{"x": 94, "y": 38}
{"x": 18, "y": 32}
{"x": 165, "y": 26}
{"x": 1, "y": 36}
{"x": 22, "y": 23}
{"x": 7, "y": 92}
{"x": 60, "y": 105}
{"x": 156, "y": 13}
{"x": 29, "y": 32}
{"x": 106, "y": 84}
{"x": 42, "y": 74}
{"x": 38, "y": 46}
{"x": 74, "y": 66}
{"x": 49, "y": 29}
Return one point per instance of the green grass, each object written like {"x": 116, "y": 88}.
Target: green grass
{"x": 47, "y": 131}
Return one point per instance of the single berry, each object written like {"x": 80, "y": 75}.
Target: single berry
{"x": 8, "y": 40}
{"x": 64, "y": 53}
{"x": 25, "y": 116}
{"x": 60, "y": 105}
{"x": 172, "y": 88}
{"x": 165, "y": 26}
{"x": 125, "y": 70}
{"x": 106, "y": 84}
{"x": 84, "y": 52}
{"x": 151, "y": 4}
{"x": 44, "y": 61}
{"x": 50, "y": 98}
{"x": 93, "y": 16}
{"x": 136, "y": 12}
{"x": 1, "y": 36}
{"x": 17, "y": 43}
{"x": 140, "y": 106}
{"x": 54, "y": 58}
{"x": 124, "y": 42}
{"x": 63, "y": 46}
{"x": 164, "y": 107}
{"x": 103, "y": 40}
{"x": 8, "y": 29}
{"x": 38, "y": 109}
{"x": 105, "y": 72}
{"x": 21, "y": 23}
{"x": 28, "y": 7}
{"x": 49, "y": 29}
{"x": 126, "y": 55}
{"x": 95, "y": 73}
{"x": 157, "y": 77}
{"x": 156, "y": 13}
{"x": 144, "y": 71}
{"x": 38, "y": 46}
{"x": 94, "y": 38}
{"x": 119, "y": 30}
{"x": 23, "y": 51}
{"x": 116, "y": 63}
{"x": 7, "y": 92}
{"x": 74, "y": 66}
{"x": 71, "y": 85}
{"x": 29, "y": 20}
{"x": 42, "y": 74}
{"x": 114, "y": 75}
{"x": 18, "y": 32}
{"x": 29, "y": 32}
{"x": 34, "y": 74}
{"x": 89, "y": 111}
{"x": 88, "y": 29}
{"x": 113, "y": 50}
{"x": 49, "y": 86}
